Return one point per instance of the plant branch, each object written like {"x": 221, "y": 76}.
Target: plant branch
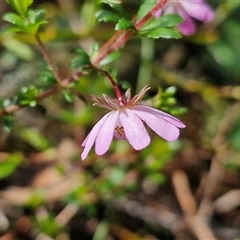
{"x": 49, "y": 60}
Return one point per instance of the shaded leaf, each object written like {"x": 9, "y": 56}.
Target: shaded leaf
{"x": 9, "y": 164}
{"x": 163, "y": 33}
{"x": 169, "y": 20}
{"x": 106, "y": 16}
{"x": 8, "y": 121}
{"x": 124, "y": 23}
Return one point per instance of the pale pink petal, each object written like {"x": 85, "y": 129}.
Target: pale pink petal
{"x": 163, "y": 128}
{"x": 167, "y": 117}
{"x": 134, "y": 129}
{"x": 199, "y": 10}
{"x": 105, "y": 134}
{"x": 91, "y": 137}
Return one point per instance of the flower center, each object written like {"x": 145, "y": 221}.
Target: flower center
{"x": 120, "y": 131}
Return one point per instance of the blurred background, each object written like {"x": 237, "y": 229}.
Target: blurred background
{"x": 187, "y": 189}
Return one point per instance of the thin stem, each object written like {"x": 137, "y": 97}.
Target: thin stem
{"x": 116, "y": 88}
{"x": 115, "y": 42}
{"x": 122, "y": 36}
{"x": 48, "y": 60}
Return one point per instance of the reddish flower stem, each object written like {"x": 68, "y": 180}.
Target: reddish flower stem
{"x": 116, "y": 88}
{"x": 122, "y": 36}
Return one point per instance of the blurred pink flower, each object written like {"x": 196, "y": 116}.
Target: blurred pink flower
{"x": 127, "y": 122}
{"x": 188, "y": 9}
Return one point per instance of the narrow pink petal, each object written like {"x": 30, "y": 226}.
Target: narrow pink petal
{"x": 167, "y": 117}
{"x": 163, "y": 128}
{"x": 105, "y": 134}
{"x": 199, "y": 10}
{"x": 90, "y": 139}
{"x": 134, "y": 129}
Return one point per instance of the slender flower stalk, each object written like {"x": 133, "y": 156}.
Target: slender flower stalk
{"x": 188, "y": 10}
{"x": 127, "y": 122}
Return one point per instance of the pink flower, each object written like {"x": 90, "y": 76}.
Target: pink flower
{"x": 188, "y": 9}
{"x": 127, "y": 122}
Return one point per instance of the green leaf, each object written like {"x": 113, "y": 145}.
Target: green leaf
{"x": 30, "y": 24}
{"x": 145, "y": 8}
{"x": 163, "y": 33}
{"x": 68, "y": 95}
{"x": 33, "y": 137}
{"x": 124, "y": 23}
{"x": 80, "y": 62}
{"x": 9, "y": 164}
{"x": 110, "y": 58}
{"x": 8, "y": 121}
{"x": 15, "y": 19}
{"x": 106, "y": 16}
{"x": 28, "y": 96}
{"x": 21, "y": 6}
{"x": 169, "y": 20}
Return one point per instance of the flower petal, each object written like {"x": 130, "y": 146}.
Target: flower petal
{"x": 158, "y": 113}
{"x": 162, "y": 127}
{"x": 91, "y": 137}
{"x": 199, "y": 10}
{"x": 105, "y": 134}
{"x": 134, "y": 129}
{"x": 188, "y": 27}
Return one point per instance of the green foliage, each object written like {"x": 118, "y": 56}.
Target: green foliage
{"x": 110, "y": 58}
{"x": 106, "y": 16}
{"x": 8, "y": 121}
{"x": 82, "y": 60}
{"x": 162, "y": 27}
{"x": 20, "y": 6}
{"x": 124, "y": 23}
{"x": 9, "y": 164}
{"x": 28, "y": 21}
{"x": 28, "y": 96}
{"x": 145, "y": 7}
{"x": 165, "y": 21}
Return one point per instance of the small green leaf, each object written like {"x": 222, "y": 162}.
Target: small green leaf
{"x": 124, "y": 23}
{"x": 68, "y": 95}
{"x": 48, "y": 77}
{"x": 80, "y": 62}
{"x": 28, "y": 95}
{"x": 169, "y": 20}
{"x": 8, "y": 121}
{"x": 15, "y": 19}
{"x": 9, "y": 164}
{"x": 29, "y": 24}
{"x": 110, "y": 58}
{"x": 106, "y": 16}
{"x": 145, "y": 8}
{"x": 163, "y": 33}
{"x": 21, "y": 6}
